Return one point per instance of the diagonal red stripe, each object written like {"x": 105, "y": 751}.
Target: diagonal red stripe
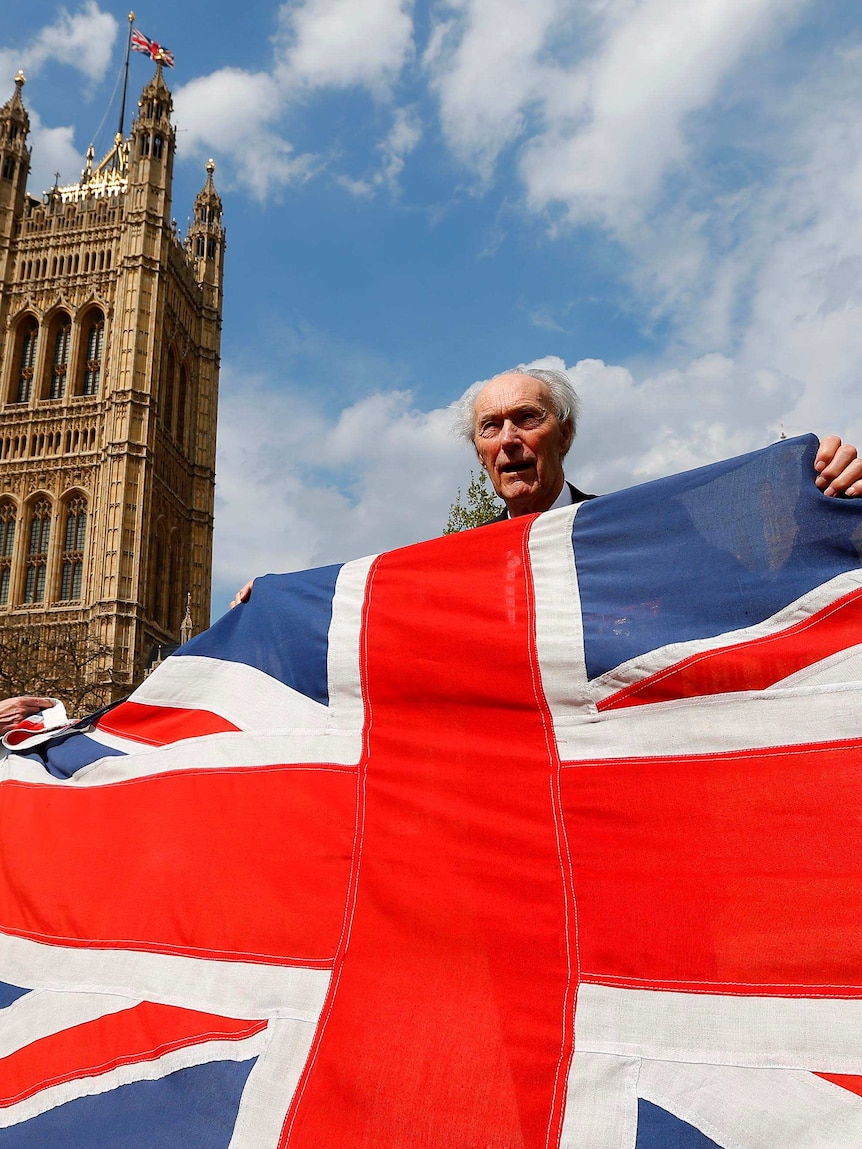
{"x": 752, "y": 665}
{"x": 850, "y": 1082}
{"x": 144, "y": 1032}
{"x": 160, "y": 725}
{"x": 451, "y": 991}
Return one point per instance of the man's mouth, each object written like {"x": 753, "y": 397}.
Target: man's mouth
{"x": 515, "y": 468}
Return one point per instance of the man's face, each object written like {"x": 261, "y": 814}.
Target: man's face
{"x": 520, "y": 442}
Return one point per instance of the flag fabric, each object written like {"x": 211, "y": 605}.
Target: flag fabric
{"x": 156, "y": 51}
{"x": 543, "y": 834}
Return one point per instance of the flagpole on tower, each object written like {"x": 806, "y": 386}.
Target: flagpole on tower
{"x": 120, "y": 132}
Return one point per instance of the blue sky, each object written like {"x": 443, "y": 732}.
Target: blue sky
{"x": 663, "y": 195}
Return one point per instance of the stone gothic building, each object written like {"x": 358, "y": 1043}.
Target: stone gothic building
{"x": 109, "y": 358}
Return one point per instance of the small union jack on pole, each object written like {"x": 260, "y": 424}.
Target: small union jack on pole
{"x": 156, "y": 51}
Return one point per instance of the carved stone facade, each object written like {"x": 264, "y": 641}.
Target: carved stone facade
{"x": 109, "y": 356}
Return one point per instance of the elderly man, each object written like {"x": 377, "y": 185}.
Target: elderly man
{"x": 522, "y": 424}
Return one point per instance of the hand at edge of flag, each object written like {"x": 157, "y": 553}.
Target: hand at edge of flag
{"x": 839, "y": 468}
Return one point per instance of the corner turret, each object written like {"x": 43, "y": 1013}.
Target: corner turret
{"x": 14, "y": 166}
{"x": 153, "y": 142}
{"x": 206, "y": 240}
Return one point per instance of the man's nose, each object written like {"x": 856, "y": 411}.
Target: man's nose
{"x": 509, "y": 433}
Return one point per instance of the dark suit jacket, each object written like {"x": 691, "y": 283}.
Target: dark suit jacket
{"x": 577, "y": 497}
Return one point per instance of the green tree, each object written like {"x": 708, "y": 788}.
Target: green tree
{"x": 480, "y": 506}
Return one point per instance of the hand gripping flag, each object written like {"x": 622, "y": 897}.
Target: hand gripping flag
{"x": 156, "y": 51}
{"x": 543, "y": 834}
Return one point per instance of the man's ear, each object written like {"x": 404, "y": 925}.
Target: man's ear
{"x": 568, "y": 430}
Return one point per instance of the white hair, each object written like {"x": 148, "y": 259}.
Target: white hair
{"x": 566, "y": 404}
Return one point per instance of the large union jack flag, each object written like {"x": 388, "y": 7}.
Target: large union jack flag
{"x": 543, "y": 834}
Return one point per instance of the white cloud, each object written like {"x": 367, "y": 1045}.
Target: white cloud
{"x": 53, "y": 151}
{"x": 773, "y": 270}
{"x": 233, "y": 112}
{"x": 765, "y": 268}
{"x": 633, "y": 431}
{"x": 320, "y": 44}
{"x": 83, "y": 40}
{"x": 607, "y": 158}
{"x": 483, "y": 61}
{"x": 600, "y": 95}
{"x": 298, "y": 487}
{"x": 344, "y": 43}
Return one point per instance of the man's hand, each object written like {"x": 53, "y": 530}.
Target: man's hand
{"x": 242, "y": 595}
{"x": 15, "y": 710}
{"x": 839, "y": 469}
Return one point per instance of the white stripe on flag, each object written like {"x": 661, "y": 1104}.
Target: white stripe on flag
{"x": 718, "y": 723}
{"x": 601, "y": 1103}
{"x": 272, "y": 1084}
{"x": 153, "y": 1070}
{"x": 42, "y": 1012}
{"x": 756, "y": 1108}
{"x": 346, "y": 707}
{"x": 229, "y": 752}
{"x": 230, "y": 989}
{"x": 771, "y": 1032}
{"x": 559, "y": 629}
{"x": 210, "y": 752}
{"x": 244, "y": 695}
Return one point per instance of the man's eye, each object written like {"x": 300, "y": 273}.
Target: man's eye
{"x": 531, "y": 421}
{"x": 488, "y": 429}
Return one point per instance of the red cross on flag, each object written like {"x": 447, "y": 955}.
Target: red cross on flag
{"x": 546, "y": 834}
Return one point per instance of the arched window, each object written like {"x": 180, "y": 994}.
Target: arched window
{"x": 168, "y": 391}
{"x": 182, "y": 400}
{"x": 90, "y": 375}
{"x": 28, "y": 337}
{"x": 61, "y": 336}
{"x": 8, "y": 168}
{"x": 74, "y": 538}
{"x": 8, "y": 517}
{"x": 157, "y": 573}
{"x": 37, "y": 552}
{"x": 157, "y": 147}
{"x": 173, "y": 611}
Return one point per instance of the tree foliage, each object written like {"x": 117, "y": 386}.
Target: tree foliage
{"x": 479, "y": 506}
{"x": 61, "y": 660}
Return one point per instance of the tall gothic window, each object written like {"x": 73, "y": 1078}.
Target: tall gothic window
{"x": 182, "y": 400}
{"x": 62, "y": 332}
{"x": 29, "y": 337}
{"x": 91, "y": 374}
{"x": 8, "y": 516}
{"x": 37, "y": 552}
{"x": 157, "y": 573}
{"x": 73, "y": 549}
{"x": 168, "y": 392}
